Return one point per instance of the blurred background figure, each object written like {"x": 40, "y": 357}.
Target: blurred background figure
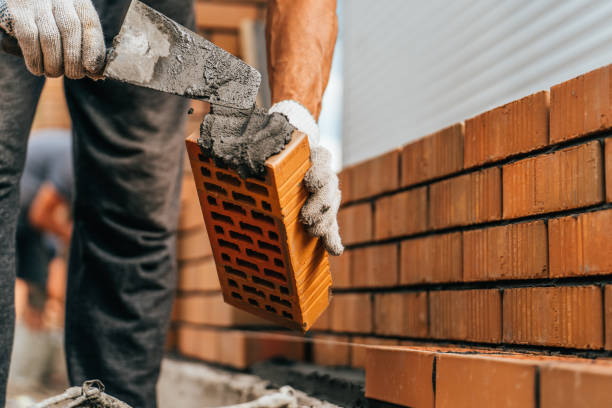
{"x": 43, "y": 238}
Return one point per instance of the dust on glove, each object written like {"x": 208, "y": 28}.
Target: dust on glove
{"x": 320, "y": 212}
{"x": 59, "y": 37}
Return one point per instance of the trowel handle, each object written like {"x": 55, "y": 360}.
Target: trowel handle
{"x": 8, "y": 43}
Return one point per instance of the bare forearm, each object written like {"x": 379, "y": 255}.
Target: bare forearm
{"x": 301, "y": 35}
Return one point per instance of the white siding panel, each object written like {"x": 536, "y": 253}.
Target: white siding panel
{"x": 413, "y": 67}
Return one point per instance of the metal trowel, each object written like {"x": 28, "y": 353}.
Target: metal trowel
{"x": 153, "y": 51}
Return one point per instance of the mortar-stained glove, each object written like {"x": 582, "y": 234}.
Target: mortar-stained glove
{"x": 58, "y": 36}
{"x": 320, "y": 212}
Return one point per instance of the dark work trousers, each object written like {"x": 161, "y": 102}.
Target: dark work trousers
{"x": 128, "y": 156}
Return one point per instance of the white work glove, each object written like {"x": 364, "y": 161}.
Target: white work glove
{"x": 59, "y": 37}
{"x": 320, "y": 212}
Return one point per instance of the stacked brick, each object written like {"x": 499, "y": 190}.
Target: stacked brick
{"x": 492, "y": 234}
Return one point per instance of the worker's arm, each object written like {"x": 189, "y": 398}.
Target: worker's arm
{"x": 50, "y": 212}
{"x": 56, "y": 37}
{"x": 301, "y": 35}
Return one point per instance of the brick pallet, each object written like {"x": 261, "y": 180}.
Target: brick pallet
{"x": 483, "y": 248}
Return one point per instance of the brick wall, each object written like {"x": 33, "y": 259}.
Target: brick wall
{"x": 478, "y": 268}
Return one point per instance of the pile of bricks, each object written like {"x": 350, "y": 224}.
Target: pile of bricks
{"x": 478, "y": 269}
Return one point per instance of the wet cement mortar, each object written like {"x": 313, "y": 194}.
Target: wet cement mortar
{"x": 244, "y": 140}
{"x": 153, "y": 51}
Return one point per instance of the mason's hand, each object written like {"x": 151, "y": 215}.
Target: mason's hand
{"x": 58, "y": 37}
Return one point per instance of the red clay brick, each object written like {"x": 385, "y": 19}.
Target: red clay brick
{"x": 199, "y": 343}
{"x": 566, "y": 179}
{"x": 471, "y": 315}
{"x": 433, "y": 156}
{"x": 401, "y": 314}
{"x": 400, "y": 376}
{"x": 375, "y": 176}
{"x": 608, "y": 316}
{"x": 375, "y": 266}
{"x": 360, "y": 346}
{"x": 467, "y": 199}
{"x": 355, "y": 223}
{"x": 344, "y": 179}
{"x": 340, "y": 267}
{"x": 211, "y": 310}
{"x": 331, "y": 350}
{"x": 193, "y": 244}
{"x": 581, "y": 105}
{"x": 436, "y": 258}
{"x": 352, "y": 313}
{"x": 567, "y": 316}
{"x": 573, "y": 385}
{"x": 517, "y": 127}
{"x": 198, "y": 275}
{"x": 581, "y": 245}
{"x": 516, "y": 251}
{"x": 468, "y": 381}
{"x": 609, "y": 169}
{"x": 401, "y": 214}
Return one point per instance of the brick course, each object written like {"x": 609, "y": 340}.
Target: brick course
{"x": 581, "y": 245}
{"x": 375, "y": 266}
{"x": 564, "y": 385}
{"x": 401, "y": 214}
{"x": 566, "y": 316}
{"x": 467, "y": 199}
{"x": 355, "y": 232}
{"x": 581, "y": 106}
{"x": 401, "y": 314}
{"x": 470, "y": 315}
{"x": 374, "y": 176}
{"x": 569, "y": 178}
{"x": 436, "y": 258}
{"x": 433, "y": 156}
{"x": 515, "y": 251}
{"x": 516, "y": 127}
{"x": 609, "y": 169}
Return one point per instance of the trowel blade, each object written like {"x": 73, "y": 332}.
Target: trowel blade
{"x": 155, "y": 52}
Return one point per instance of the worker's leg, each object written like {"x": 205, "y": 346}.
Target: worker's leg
{"x": 129, "y": 149}
{"x": 19, "y": 92}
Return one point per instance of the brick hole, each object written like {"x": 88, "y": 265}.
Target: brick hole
{"x": 260, "y": 177}
{"x": 221, "y": 217}
{"x": 205, "y": 171}
{"x": 247, "y": 264}
{"x": 256, "y": 254}
{"x": 227, "y": 244}
{"x": 234, "y": 271}
{"x": 250, "y": 227}
{"x": 229, "y": 179}
{"x": 273, "y": 235}
{"x": 234, "y": 208}
{"x": 279, "y": 263}
{"x": 232, "y": 283}
{"x": 241, "y": 237}
{"x": 266, "y": 206}
{"x": 221, "y": 165}
{"x": 284, "y": 290}
{"x": 226, "y": 257}
{"x": 262, "y": 217}
{"x": 203, "y": 158}
{"x": 270, "y": 247}
{"x": 251, "y": 289}
{"x": 216, "y": 188}
{"x": 244, "y": 198}
{"x": 219, "y": 229}
{"x": 280, "y": 301}
{"x": 287, "y": 315}
{"x": 270, "y": 309}
{"x": 253, "y": 302}
{"x": 256, "y": 188}
{"x": 264, "y": 282}
{"x": 211, "y": 200}
{"x": 274, "y": 274}
{"x": 236, "y": 295}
